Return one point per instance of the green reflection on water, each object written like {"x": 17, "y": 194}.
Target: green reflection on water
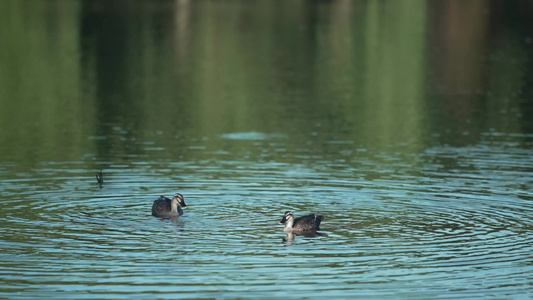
{"x": 94, "y": 78}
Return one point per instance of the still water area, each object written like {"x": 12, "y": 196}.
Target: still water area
{"x": 406, "y": 124}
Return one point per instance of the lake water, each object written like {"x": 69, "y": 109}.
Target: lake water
{"x": 406, "y": 124}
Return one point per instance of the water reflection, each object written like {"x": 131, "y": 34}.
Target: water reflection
{"x": 121, "y": 89}
{"x": 173, "y": 219}
{"x": 405, "y": 123}
{"x": 291, "y": 236}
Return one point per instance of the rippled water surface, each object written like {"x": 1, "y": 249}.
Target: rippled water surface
{"x": 424, "y": 177}
{"x": 449, "y": 221}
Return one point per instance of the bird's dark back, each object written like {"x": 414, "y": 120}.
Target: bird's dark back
{"x": 308, "y": 223}
{"x": 161, "y": 205}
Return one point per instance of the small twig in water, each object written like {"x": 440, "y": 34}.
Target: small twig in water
{"x": 100, "y": 177}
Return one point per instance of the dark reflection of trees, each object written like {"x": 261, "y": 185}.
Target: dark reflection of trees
{"x": 117, "y": 39}
{"x": 104, "y": 28}
{"x": 480, "y": 56}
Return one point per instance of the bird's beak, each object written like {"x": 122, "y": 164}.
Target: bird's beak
{"x": 185, "y": 207}
{"x": 280, "y": 223}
